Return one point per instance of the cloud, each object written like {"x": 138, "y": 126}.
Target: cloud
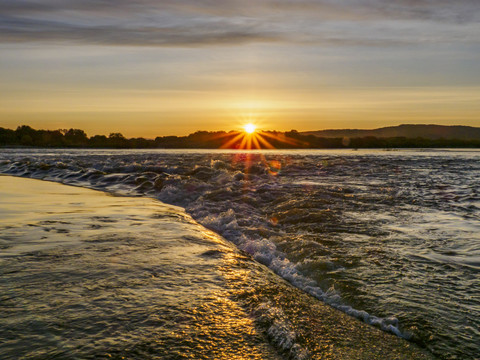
{"x": 440, "y": 10}
{"x": 232, "y": 22}
{"x": 18, "y": 30}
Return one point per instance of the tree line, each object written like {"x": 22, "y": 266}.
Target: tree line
{"x": 26, "y": 136}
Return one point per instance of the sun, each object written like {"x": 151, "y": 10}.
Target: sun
{"x": 252, "y": 138}
{"x": 249, "y": 128}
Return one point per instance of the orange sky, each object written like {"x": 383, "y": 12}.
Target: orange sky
{"x": 170, "y": 69}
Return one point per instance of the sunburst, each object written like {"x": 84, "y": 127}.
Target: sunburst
{"x": 252, "y": 138}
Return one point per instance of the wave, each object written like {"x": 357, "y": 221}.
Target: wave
{"x": 222, "y": 195}
{"x": 357, "y": 231}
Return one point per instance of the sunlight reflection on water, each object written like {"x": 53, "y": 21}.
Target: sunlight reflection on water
{"x": 134, "y": 278}
{"x": 391, "y": 233}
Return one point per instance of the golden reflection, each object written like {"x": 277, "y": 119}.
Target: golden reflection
{"x": 253, "y": 139}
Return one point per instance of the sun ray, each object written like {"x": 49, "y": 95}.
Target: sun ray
{"x": 243, "y": 143}
{"x": 282, "y": 138}
{"x": 255, "y": 141}
{"x": 226, "y": 134}
{"x": 252, "y": 138}
{"x": 265, "y": 142}
{"x": 232, "y": 141}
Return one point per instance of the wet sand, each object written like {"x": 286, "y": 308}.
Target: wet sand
{"x": 88, "y": 275}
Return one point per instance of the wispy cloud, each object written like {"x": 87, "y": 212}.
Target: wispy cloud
{"x": 231, "y": 22}
{"x": 439, "y": 10}
{"x": 18, "y": 30}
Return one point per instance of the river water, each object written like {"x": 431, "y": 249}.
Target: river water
{"x": 389, "y": 237}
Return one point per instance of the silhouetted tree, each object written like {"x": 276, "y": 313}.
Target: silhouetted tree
{"x": 76, "y": 137}
{"x": 8, "y": 137}
{"x": 117, "y": 140}
{"x": 99, "y": 141}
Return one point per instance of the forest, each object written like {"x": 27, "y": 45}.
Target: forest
{"x": 26, "y": 136}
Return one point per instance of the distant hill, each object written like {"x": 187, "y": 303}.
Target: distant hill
{"x": 408, "y": 131}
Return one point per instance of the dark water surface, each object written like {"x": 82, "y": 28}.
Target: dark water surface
{"x": 390, "y": 237}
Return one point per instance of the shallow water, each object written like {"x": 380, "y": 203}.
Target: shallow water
{"x": 85, "y": 275}
{"x": 389, "y": 237}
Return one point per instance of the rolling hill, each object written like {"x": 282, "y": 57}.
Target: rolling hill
{"x": 408, "y": 131}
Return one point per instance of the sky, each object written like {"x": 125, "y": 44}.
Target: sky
{"x": 172, "y": 67}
